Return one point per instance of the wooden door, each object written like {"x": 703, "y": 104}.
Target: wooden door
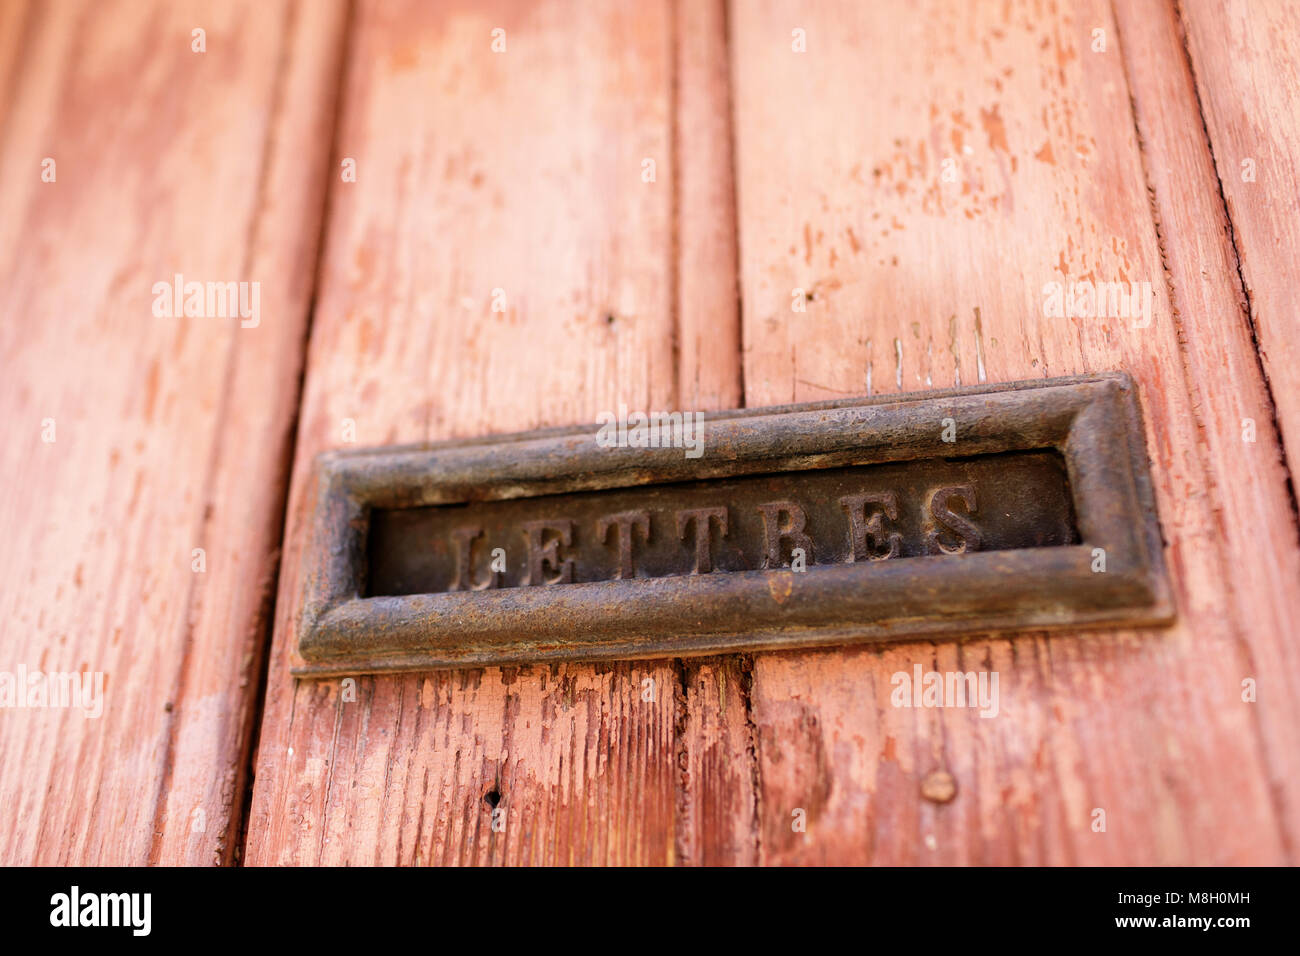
{"x": 472, "y": 219}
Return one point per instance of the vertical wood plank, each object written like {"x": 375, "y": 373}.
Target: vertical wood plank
{"x": 1233, "y": 404}
{"x": 167, "y": 431}
{"x": 242, "y": 531}
{"x": 717, "y": 797}
{"x": 910, "y": 278}
{"x": 14, "y": 19}
{"x": 1244, "y": 57}
{"x": 718, "y": 792}
{"x": 708, "y": 302}
{"x": 518, "y": 179}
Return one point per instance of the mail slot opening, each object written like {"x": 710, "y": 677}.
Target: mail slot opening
{"x": 550, "y": 546}
{"x": 792, "y": 519}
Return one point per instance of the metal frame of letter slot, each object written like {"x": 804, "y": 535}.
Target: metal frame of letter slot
{"x": 1093, "y": 422}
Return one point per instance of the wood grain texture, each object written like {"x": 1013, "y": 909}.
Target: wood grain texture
{"x": 513, "y": 177}
{"x": 897, "y": 194}
{"x": 717, "y": 756}
{"x": 1245, "y": 55}
{"x": 1252, "y": 498}
{"x": 716, "y": 761}
{"x": 15, "y": 15}
{"x": 169, "y": 433}
{"x": 243, "y": 523}
{"x": 918, "y": 280}
{"x": 708, "y": 302}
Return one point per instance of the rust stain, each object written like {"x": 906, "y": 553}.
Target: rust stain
{"x": 780, "y": 586}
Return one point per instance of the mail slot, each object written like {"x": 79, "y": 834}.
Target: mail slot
{"x": 1007, "y": 507}
{"x": 791, "y": 519}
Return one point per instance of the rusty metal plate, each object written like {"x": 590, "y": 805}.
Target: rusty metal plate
{"x": 1007, "y": 507}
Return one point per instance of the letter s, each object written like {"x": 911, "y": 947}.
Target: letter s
{"x": 968, "y": 536}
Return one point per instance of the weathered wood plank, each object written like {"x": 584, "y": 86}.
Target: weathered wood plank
{"x": 708, "y": 304}
{"x": 513, "y": 177}
{"x": 913, "y": 279}
{"x": 1231, "y": 400}
{"x": 15, "y": 16}
{"x": 716, "y": 794}
{"x": 168, "y": 432}
{"x": 717, "y": 755}
{"x": 231, "y": 611}
{"x": 1244, "y": 57}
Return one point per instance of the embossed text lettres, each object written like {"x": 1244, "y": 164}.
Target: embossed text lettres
{"x": 783, "y": 520}
{"x": 862, "y": 528}
{"x": 701, "y": 518}
{"x": 464, "y": 545}
{"x": 544, "y": 550}
{"x": 625, "y": 522}
{"x": 968, "y": 536}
